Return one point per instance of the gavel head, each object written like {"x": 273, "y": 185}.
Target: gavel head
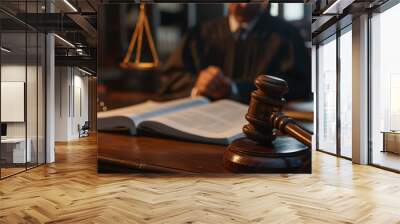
{"x": 265, "y": 100}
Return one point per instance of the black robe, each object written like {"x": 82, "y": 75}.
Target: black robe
{"x": 272, "y": 47}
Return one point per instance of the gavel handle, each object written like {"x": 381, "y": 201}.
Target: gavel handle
{"x": 288, "y": 126}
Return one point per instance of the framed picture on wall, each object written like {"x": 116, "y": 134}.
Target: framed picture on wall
{"x": 12, "y": 101}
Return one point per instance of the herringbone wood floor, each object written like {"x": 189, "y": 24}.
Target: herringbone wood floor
{"x": 71, "y": 191}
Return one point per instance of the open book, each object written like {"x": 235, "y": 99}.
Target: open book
{"x": 194, "y": 119}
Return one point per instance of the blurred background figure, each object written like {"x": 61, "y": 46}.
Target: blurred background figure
{"x": 222, "y": 57}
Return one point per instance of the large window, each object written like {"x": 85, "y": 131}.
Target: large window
{"x": 345, "y": 100}
{"x": 334, "y": 95}
{"x": 327, "y": 96}
{"x": 385, "y": 89}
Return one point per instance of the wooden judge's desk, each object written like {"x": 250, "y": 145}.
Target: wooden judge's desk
{"x": 119, "y": 152}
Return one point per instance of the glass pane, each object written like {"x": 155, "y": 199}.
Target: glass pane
{"x": 385, "y": 84}
{"x": 327, "y": 97}
{"x": 31, "y": 98}
{"x": 274, "y": 10}
{"x": 41, "y": 99}
{"x": 293, "y": 11}
{"x": 32, "y": 89}
{"x": 23, "y": 90}
{"x": 13, "y": 87}
{"x": 346, "y": 94}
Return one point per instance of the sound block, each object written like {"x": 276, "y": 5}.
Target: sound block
{"x": 284, "y": 155}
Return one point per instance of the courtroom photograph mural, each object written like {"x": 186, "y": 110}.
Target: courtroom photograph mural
{"x": 204, "y": 88}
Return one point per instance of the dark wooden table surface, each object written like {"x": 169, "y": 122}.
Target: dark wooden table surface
{"x": 119, "y": 152}
{"x": 122, "y": 152}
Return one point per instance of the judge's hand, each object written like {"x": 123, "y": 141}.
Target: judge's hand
{"x": 213, "y": 84}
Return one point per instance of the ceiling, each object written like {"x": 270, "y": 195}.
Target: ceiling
{"x": 76, "y": 22}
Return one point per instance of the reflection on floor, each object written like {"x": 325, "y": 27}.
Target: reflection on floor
{"x": 346, "y": 152}
{"x": 10, "y": 170}
{"x": 71, "y": 191}
{"x": 386, "y": 159}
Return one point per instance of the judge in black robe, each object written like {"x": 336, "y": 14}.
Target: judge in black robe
{"x": 267, "y": 45}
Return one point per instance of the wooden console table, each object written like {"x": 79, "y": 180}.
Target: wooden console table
{"x": 125, "y": 153}
{"x": 391, "y": 141}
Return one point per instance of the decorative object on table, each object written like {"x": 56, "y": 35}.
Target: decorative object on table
{"x": 263, "y": 151}
{"x": 142, "y": 25}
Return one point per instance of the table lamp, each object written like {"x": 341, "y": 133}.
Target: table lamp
{"x": 142, "y": 25}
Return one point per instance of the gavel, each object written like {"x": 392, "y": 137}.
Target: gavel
{"x": 264, "y": 114}
{"x": 264, "y": 150}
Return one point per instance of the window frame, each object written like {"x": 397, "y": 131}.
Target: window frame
{"x": 335, "y": 36}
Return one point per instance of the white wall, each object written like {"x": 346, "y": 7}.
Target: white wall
{"x": 61, "y": 103}
{"x": 71, "y": 102}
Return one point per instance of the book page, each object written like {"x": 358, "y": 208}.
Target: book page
{"x": 220, "y": 119}
{"x": 142, "y": 111}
